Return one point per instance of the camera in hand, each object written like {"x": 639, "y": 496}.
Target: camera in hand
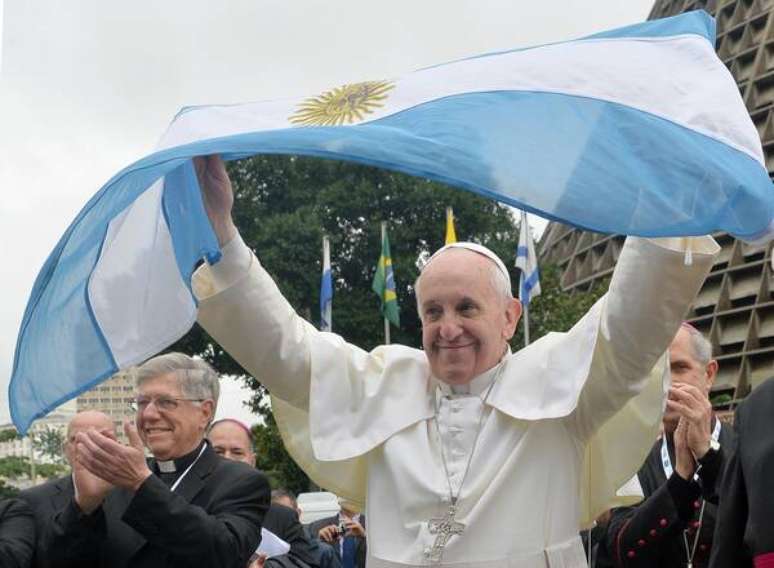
{"x": 342, "y": 528}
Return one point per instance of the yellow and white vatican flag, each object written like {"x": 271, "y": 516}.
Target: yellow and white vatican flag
{"x": 451, "y": 234}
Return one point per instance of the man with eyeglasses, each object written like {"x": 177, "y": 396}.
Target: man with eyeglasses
{"x": 185, "y": 506}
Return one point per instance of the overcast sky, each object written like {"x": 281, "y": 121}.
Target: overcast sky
{"x": 88, "y": 86}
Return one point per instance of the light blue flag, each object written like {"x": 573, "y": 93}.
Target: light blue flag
{"x": 326, "y": 289}
{"x": 638, "y": 131}
{"x": 526, "y": 262}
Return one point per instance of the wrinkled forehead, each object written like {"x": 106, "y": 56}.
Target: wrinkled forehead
{"x": 168, "y": 384}
{"x": 681, "y": 345}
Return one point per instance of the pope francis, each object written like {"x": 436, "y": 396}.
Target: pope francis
{"x": 463, "y": 453}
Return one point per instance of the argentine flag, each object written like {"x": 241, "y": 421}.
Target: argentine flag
{"x": 526, "y": 261}
{"x": 638, "y": 131}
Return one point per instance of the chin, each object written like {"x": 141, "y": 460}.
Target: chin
{"x": 160, "y": 452}
{"x": 456, "y": 378}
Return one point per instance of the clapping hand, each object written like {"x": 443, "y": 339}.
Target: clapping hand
{"x": 695, "y": 408}
{"x": 115, "y": 463}
{"x": 90, "y": 490}
{"x": 685, "y": 464}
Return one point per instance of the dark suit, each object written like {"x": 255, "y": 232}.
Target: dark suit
{"x": 17, "y": 534}
{"x": 744, "y": 531}
{"x": 212, "y": 519}
{"x": 650, "y": 534}
{"x": 284, "y": 522}
{"x": 45, "y": 500}
{"x": 361, "y": 550}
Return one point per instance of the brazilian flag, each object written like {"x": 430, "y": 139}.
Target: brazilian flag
{"x": 384, "y": 284}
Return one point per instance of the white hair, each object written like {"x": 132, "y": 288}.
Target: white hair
{"x": 197, "y": 379}
{"x": 700, "y": 346}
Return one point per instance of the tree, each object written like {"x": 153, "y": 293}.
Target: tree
{"x": 49, "y": 442}
{"x": 284, "y": 205}
{"x": 8, "y": 435}
{"x": 554, "y": 309}
{"x": 15, "y": 467}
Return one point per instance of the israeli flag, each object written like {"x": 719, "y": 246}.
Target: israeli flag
{"x": 638, "y": 131}
{"x": 326, "y": 289}
{"x": 526, "y": 261}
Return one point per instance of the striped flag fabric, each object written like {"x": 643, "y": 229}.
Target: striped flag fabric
{"x": 326, "y": 289}
{"x": 384, "y": 284}
{"x": 526, "y": 262}
{"x": 637, "y": 131}
{"x": 451, "y": 234}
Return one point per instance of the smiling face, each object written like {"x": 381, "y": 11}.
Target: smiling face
{"x": 171, "y": 433}
{"x": 232, "y": 442}
{"x": 466, "y": 322}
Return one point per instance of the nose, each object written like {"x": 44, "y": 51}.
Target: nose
{"x": 449, "y": 328}
{"x": 150, "y": 412}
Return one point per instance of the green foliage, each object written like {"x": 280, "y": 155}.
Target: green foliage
{"x": 49, "y": 443}
{"x": 7, "y": 491}
{"x": 554, "y": 309}
{"x": 273, "y": 459}
{"x": 284, "y": 206}
{"x": 721, "y": 399}
{"x": 15, "y": 467}
{"x": 8, "y": 435}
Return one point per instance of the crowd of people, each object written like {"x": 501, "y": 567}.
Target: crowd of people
{"x": 200, "y": 501}
{"x": 462, "y": 454}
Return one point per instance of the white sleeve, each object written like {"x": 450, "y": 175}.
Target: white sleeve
{"x": 650, "y": 293}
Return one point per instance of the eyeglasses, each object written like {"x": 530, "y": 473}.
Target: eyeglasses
{"x": 164, "y": 403}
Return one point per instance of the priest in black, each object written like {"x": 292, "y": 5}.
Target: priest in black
{"x": 674, "y": 523}
{"x": 186, "y": 507}
{"x": 744, "y": 535}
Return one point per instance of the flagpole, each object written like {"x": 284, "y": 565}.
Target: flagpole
{"x": 521, "y": 282}
{"x": 526, "y": 326}
{"x": 326, "y": 310}
{"x": 386, "y": 321}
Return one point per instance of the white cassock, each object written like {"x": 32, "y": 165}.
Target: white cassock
{"x": 570, "y": 419}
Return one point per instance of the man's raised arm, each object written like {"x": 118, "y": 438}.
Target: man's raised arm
{"x": 652, "y": 288}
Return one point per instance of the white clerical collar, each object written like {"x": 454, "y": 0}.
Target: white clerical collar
{"x": 477, "y": 386}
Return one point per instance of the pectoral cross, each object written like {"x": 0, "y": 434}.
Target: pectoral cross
{"x": 444, "y": 528}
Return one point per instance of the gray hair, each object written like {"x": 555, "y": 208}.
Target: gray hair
{"x": 499, "y": 281}
{"x": 197, "y": 379}
{"x": 700, "y": 346}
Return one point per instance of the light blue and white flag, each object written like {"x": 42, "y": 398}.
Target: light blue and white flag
{"x": 526, "y": 262}
{"x": 326, "y": 289}
{"x": 639, "y": 131}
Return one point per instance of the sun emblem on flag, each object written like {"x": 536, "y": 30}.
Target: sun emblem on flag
{"x": 343, "y": 105}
